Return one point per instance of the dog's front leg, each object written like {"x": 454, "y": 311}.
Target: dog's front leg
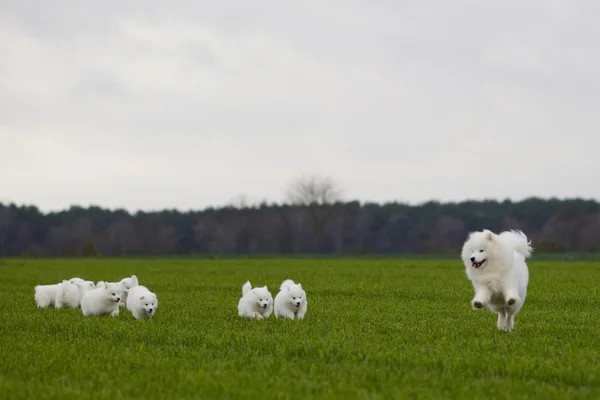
{"x": 268, "y": 313}
{"x": 289, "y": 314}
{"x": 511, "y": 294}
{"x": 482, "y": 297}
{"x": 302, "y": 311}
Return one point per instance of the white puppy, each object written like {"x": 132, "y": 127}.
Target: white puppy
{"x": 124, "y": 285}
{"x": 495, "y": 265}
{"x": 255, "y": 302}
{"x": 291, "y": 301}
{"x": 141, "y": 302}
{"x": 45, "y": 295}
{"x": 102, "y": 300}
{"x": 69, "y": 294}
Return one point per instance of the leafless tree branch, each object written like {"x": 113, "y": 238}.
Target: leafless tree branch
{"x": 318, "y": 194}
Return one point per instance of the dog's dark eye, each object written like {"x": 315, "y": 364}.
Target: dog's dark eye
{"x": 481, "y": 251}
{"x": 293, "y": 298}
{"x": 259, "y": 299}
{"x": 114, "y": 294}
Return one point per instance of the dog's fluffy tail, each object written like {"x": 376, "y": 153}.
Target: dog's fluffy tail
{"x": 517, "y": 241}
{"x": 286, "y": 283}
{"x": 246, "y": 288}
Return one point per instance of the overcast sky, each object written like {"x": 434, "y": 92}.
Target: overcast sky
{"x": 185, "y": 104}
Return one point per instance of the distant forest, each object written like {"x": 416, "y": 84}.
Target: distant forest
{"x": 301, "y": 228}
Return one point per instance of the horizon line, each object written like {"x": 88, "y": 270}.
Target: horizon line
{"x": 265, "y": 202}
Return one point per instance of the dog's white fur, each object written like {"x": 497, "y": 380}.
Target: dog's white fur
{"x": 45, "y": 295}
{"x": 102, "y": 300}
{"x": 291, "y": 301}
{"x": 124, "y": 285}
{"x": 255, "y": 302}
{"x": 495, "y": 265}
{"x": 68, "y": 294}
{"x": 141, "y": 302}
{"x": 76, "y": 280}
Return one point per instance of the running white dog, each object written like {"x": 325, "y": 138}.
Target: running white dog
{"x": 141, "y": 302}
{"x": 45, "y": 295}
{"x": 255, "y": 302}
{"x": 495, "y": 265}
{"x": 124, "y": 285}
{"x": 102, "y": 300}
{"x": 68, "y": 295}
{"x": 291, "y": 301}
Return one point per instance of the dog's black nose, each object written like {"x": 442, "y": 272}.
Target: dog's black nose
{"x": 149, "y": 310}
{"x": 298, "y": 304}
{"x": 472, "y": 259}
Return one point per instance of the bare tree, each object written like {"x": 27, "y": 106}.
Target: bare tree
{"x": 318, "y": 194}
{"x": 240, "y": 201}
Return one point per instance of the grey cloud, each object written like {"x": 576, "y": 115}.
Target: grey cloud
{"x": 398, "y": 100}
{"x": 98, "y": 83}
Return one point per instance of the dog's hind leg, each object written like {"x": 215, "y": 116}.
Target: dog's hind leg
{"x": 510, "y": 321}
{"x": 42, "y": 300}
{"x": 503, "y": 321}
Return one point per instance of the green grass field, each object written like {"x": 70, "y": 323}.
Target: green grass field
{"x": 374, "y": 330}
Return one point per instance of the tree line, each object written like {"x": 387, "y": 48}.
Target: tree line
{"x": 303, "y": 226}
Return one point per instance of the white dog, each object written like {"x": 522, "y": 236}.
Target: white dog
{"x": 124, "y": 285}
{"x": 495, "y": 265}
{"x": 69, "y": 294}
{"x": 255, "y": 302}
{"x": 102, "y": 300}
{"x": 141, "y": 302}
{"x": 291, "y": 301}
{"x": 45, "y": 295}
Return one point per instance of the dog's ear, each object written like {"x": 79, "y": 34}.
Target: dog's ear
{"x": 299, "y": 285}
{"x": 134, "y": 279}
{"x": 489, "y": 235}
